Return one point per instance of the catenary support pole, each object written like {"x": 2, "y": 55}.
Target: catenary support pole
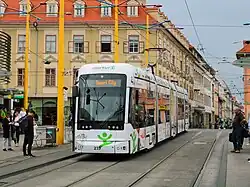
{"x": 116, "y": 35}
{"x": 60, "y": 78}
{"x": 147, "y": 42}
{"x": 26, "y": 66}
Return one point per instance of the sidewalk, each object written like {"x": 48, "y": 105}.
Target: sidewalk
{"x": 13, "y": 162}
{"x": 238, "y": 168}
{"x": 11, "y": 157}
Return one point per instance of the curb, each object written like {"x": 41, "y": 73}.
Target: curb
{"x": 13, "y": 173}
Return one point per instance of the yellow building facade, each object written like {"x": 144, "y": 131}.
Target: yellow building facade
{"x": 93, "y": 42}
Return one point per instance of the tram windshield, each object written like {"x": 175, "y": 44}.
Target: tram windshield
{"x": 102, "y": 101}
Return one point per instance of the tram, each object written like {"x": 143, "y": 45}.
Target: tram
{"x": 122, "y": 109}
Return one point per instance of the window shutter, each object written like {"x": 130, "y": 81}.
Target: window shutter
{"x": 83, "y": 9}
{"x": 75, "y": 11}
{"x": 110, "y": 11}
{"x": 129, "y": 11}
{"x": 102, "y": 11}
{"x": 136, "y": 11}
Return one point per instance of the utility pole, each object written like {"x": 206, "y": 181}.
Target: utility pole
{"x": 116, "y": 35}
{"x": 26, "y": 66}
{"x": 147, "y": 41}
{"x": 60, "y": 78}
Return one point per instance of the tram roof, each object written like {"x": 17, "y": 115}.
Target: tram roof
{"x": 129, "y": 70}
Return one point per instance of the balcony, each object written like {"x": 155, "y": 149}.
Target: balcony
{"x": 77, "y": 47}
{"x": 133, "y": 47}
{"x": 105, "y": 47}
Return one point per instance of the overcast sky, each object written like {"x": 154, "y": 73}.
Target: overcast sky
{"x": 217, "y": 41}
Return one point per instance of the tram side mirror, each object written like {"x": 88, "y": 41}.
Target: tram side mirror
{"x": 88, "y": 97}
{"x": 75, "y": 91}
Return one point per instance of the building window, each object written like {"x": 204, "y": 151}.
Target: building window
{"x": 20, "y": 77}
{"x": 50, "y": 77}
{"x": 23, "y": 9}
{"x": 106, "y": 10}
{"x": 132, "y": 11}
{"x": 133, "y": 44}
{"x": 52, "y": 9}
{"x": 21, "y": 44}
{"x": 173, "y": 60}
{"x": 78, "y": 43}
{"x": 106, "y": 43}
{"x": 79, "y": 9}
{"x": 2, "y": 8}
{"x": 50, "y": 41}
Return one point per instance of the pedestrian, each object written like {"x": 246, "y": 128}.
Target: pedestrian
{"x": 248, "y": 127}
{"x": 28, "y": 133}
{"x": 237, "y": 130}
{"x": 7, "y": 132}
{"x": 244, "y": 125}
{"x": 16, "y": 118}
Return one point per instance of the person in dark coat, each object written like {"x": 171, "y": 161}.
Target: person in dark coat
{"x": 28, "y": 133}
{"x": 237, "y": 130}
{"x": 7, "y": 134}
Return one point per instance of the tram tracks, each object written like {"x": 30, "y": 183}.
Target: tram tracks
{"x": 92, "y": 174}
{"x": 26, "y": 176}
{"x": 143, "y": 175}
{"x": 104, "y": 168}
{"x": 17, "y": 179}
{"x": 197, "y": 178}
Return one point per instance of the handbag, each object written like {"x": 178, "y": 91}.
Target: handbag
{"x": 230, "y": 137}
{"x": 245, "y": 133}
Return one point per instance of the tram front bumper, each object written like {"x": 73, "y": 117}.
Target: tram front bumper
{"x": 114, "y": 147}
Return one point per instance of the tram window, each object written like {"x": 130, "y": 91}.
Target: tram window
{"x": 137, "y": 111}
{"x": 151, "y": 117}
{"x": 167, "y": 116}
{"x": 159, "y": 118}
{"x": 162, "y": 117}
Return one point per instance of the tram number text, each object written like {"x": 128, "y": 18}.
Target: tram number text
{"x": 97, "y": 148}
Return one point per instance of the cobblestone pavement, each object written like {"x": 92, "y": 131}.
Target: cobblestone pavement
{"x": 199, "y": 158}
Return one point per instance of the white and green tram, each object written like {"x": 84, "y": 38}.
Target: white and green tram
{"x": 121, "y": 109}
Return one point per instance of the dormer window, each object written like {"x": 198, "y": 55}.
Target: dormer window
{"x": 132, "y": 11}
{"x": 106, "y": 10}
{"x": 79, "y": 8}
{"x": 23, "y": 8}
{"x": 2, "y": 8}
{"x": 132, "y": 8}
{"x": 52, "y": 8}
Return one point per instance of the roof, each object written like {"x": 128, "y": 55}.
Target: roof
{"x": 90, "y": 14}
{"x": 246, "y": 48}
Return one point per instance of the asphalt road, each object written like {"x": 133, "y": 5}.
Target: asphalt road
{"x": 182, "y": 162}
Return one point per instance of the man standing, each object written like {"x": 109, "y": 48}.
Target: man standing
{"x": 28, "y": 133}
{"x": 237, "y": 130}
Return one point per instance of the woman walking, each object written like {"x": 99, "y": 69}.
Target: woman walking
{"x": 7, "y": 134}
{"x": 16, "y": 118}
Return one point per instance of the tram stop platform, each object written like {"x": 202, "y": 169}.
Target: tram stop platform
{"x": 238, "y": 167}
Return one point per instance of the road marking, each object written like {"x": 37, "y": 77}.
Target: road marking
{"x": 197, "y": 134}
